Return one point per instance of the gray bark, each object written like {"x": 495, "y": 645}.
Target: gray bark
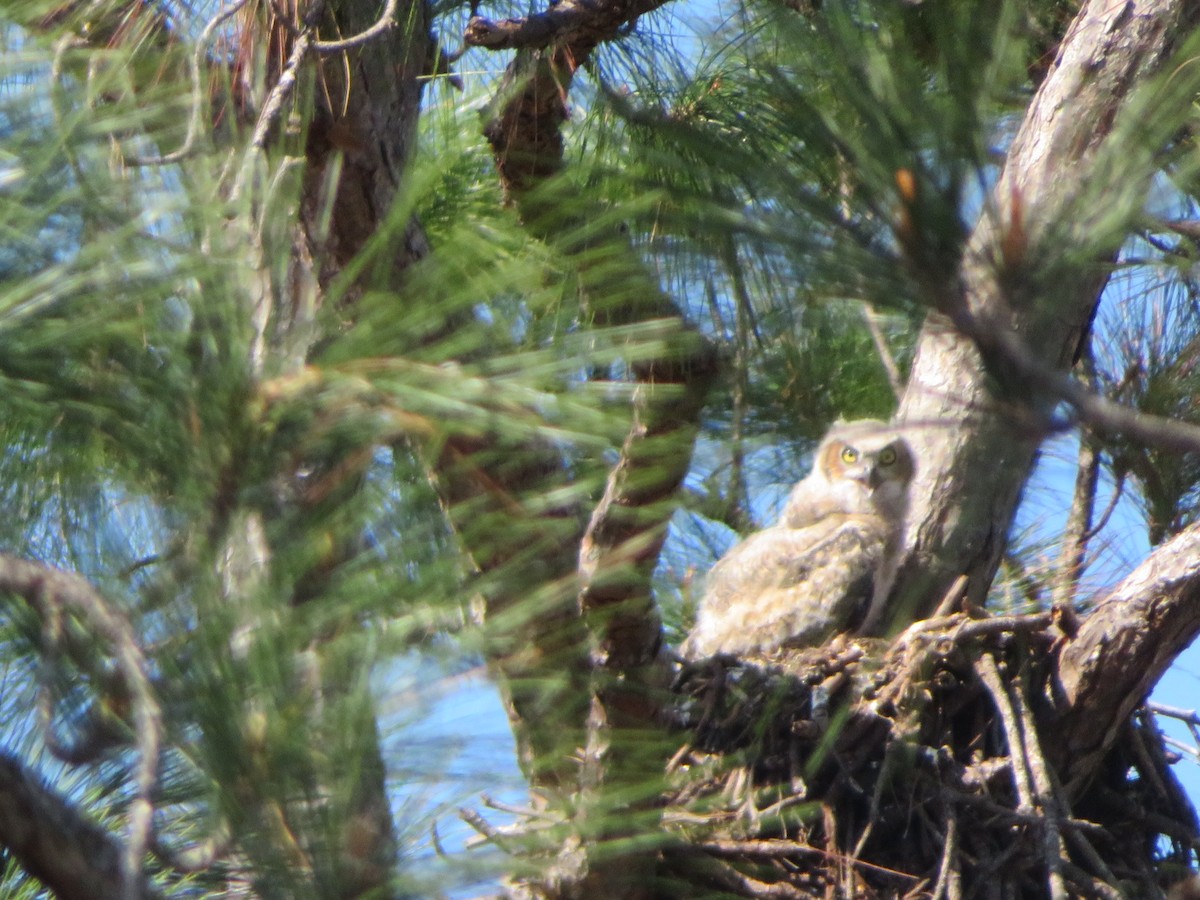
{"x": 53, "y": 842}
{"x": 1107, "y": 668}
{"x": 975, "y": 424}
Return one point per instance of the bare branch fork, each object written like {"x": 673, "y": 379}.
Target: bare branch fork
{"x": 53, "y": 593}
{"x": 561, "y": 22}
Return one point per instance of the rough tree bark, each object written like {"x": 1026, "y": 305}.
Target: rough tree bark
{"x": 962, "y": 415}
{"x": 68, "y": 853}
{"x": 964, "y": 412}
{"x": 624, "y": 741}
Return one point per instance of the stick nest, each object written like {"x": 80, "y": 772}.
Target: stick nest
{"x": 929, "y": 767}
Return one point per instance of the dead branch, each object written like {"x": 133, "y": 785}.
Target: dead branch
{"x": 386, "y": 20}
{"x": 562, "y": 22}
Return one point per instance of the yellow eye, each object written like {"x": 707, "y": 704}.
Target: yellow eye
{"x": 887, "y": 456}
{"x": 849, "y": 455}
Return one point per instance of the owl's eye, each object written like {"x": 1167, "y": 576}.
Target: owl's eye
{"x": 887, "y": 456}
{"x": 849, "y": 455}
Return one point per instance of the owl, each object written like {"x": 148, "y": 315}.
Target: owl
{"x": 829, "y": 561}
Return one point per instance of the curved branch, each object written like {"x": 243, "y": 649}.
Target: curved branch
{"x": 51, "y": 592}
{"x": 386, "y": 20}
{"x": 197, "y": 91}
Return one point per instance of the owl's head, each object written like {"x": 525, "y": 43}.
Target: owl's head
{"x": 870, "y": 454}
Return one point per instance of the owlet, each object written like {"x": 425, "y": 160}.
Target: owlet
{"x": 827, "y": 564}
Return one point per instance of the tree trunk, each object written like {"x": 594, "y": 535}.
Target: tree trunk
{"x": 975, "y": 428}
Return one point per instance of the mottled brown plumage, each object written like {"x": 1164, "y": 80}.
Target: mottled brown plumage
{"x": 827, "y": 564}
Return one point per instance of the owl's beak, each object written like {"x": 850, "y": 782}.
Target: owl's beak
{"x": 872, "y": 478}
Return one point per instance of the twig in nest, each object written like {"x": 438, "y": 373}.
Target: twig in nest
{"x": 735, "y": 882}
{"x": 1177, "y": 800}
{"x": 762, "y": 849}
{"x": 1053, "y": 847}
{"x": 989, "y": 674}
{"x": 949, "y": 881}
{"x": 1025, "y": 770}
{"x": 952, "y": 598}
{"x": 1088, "y": 852}
{"x": 885, "y": 773}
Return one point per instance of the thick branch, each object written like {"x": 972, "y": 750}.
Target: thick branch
{"x": 52, "y": 592}
{"x": 1122, "y": 649}
{"x": 958, "y": 427}
{"x": 54, "y": 843}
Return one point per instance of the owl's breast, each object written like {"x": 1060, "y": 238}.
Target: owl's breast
{"x": 786, "y": 586}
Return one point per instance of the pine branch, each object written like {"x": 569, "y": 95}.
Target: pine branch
{"x": 53, "y": 593}
{"x": 54, "y": 843}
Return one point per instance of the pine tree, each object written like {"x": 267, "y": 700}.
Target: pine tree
{"x": 312, "y": 379}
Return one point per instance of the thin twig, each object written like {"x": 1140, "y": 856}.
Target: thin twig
{"x": 1189, "y": 716}
{"x": 989, "y": 674}
{"x": 1053, "y": 847}
{"x": 949, "y": 880}
{"x": 1192, "y": 752}
{"x": 197, "y": 101}
{"x": 1146, "y": 762}
{"x": 485, "y": 828}
{"x": 1107, "y": 416}
{"x": 763, "y": 849}
{"x": 525, "y": 812}
{"x": 1118, "y": 491}
{"x": 385, "y": 21}
{"x": 281, "y": 16}
{"x": 895, "y": 379}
